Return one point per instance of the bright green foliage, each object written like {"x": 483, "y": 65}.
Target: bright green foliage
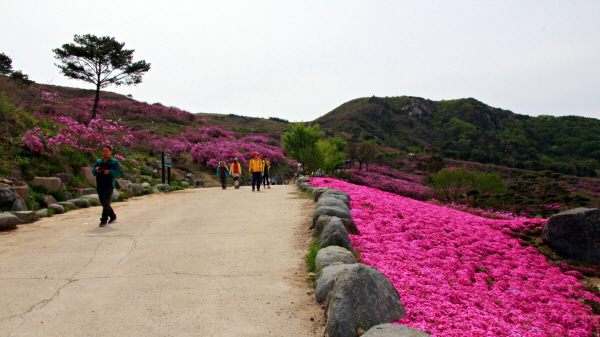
{"x": 300, "y": 143}
{"x": 332, "y": 153}
{"x": 462, "y": 185}
{"x": 101, "y": 61}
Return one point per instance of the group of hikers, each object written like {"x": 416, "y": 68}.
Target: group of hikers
{"x": 107, "y": 168}
{"x": 258, "y": 168}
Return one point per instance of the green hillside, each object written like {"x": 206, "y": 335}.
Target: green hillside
{"x": 467, "y": 129}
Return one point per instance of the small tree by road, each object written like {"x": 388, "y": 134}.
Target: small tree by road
{"x": 365, "y": 154}
{"x": 101, "y": 61}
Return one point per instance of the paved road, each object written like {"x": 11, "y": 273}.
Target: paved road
{"x": 199, "y": 262}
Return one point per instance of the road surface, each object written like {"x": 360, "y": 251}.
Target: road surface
{"x": 198, "y": 262}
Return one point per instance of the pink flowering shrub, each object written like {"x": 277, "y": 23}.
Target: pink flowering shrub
{"x": 85, "y": 138}
{"x": 462, "y": 275}
{"x": 210, "y": 153}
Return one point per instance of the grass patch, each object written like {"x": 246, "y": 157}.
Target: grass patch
{"x": 311, "y": 256}
{"x": 67, "y": 208}
{"x": 51, "y": 212}
{"x": 95, "y": 202}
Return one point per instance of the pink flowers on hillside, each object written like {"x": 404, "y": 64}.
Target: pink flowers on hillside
{"x": 461, "y": 275}
{"x": 406, "y": 186}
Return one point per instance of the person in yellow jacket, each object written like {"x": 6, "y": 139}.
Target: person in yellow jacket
{"x": 255, "y": 168}
{"x": 236, "y": 171}
{"x": 266, "y": 169}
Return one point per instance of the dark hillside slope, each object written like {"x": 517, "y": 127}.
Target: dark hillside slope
{"x": 468, "y": 129}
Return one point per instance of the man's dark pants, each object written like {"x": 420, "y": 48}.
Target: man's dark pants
{"x": 256, "y": 178}
{"x": 104, "y": 194}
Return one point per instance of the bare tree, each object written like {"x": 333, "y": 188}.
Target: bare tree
{"x": 365, "y": 154}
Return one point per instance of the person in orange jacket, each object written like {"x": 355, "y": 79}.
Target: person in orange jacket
{"x": 236, "y": 171}
{"x": 255, "y": 168}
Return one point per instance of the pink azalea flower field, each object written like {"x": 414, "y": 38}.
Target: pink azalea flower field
{"x": 463, "y": 275}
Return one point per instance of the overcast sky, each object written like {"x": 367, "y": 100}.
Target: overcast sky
{"x": 301, "y": 59}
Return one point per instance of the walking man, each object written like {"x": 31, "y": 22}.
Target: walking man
{"x": 236, "y": 171}
{"x": 255, "y": 168}
{"x": 266, "y": 169}
{"x": 223, "y": 173}
{"x": 106, "y": 169}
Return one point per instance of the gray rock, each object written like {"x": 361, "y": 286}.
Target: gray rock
{"x": 42, "y": 213}
{"x": 155, "y": 190}
{"x": 178, "y": 177}
{"x": 69, "y": 204}
{"x": 127, "y": 191}
{"x": 130, "y": 177}
{"x": 333, "y": 254}
{"x": 340, "y": 196}
{"x": 331, "y": 201}
{"x": 8, "y": 221}
{"x": 332, "y": 211}
{"x": 80, "y": 202}
{"x": 86, "y": 191}
{"x": 163, "y": 187}
{"x": 304, "y": 187}
{"x": 335, "y": 192}
{"x": 146, "y": 186}
{"x": 17, "y": 174}
{"x": 68, "y": 195}
{"x": 115, "y": 194}
{"x": 18, "y": 205}
{"x": 58, "y": 209}
{"x": 304, "y": 180}
{"x": 66, "y": 178}
{"x": 91, "y": 197}
{"x": 317, "y": 191}
{"x": 86, "y": 173}
{"x": 49, "y": 200}
{"x": 200, "y": 184}
{"x": 323, "y": 221}
{"x": 50, "y": 183}
{"x": 122, "y": 183}
{"x": 361, "y": 296}
{"x": 185, "y": 184}
{"x": 136, "y": 188}
{"x": 25, "y": 216}
{"x": 334, "y": 234}
{"x": 393, "y": 330}
{"x": 7, "y": 195}
{"x": 575, "y": 234}
{"x": 325, "y": 278}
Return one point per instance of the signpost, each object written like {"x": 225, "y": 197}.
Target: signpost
{"x": 166, "y": 162}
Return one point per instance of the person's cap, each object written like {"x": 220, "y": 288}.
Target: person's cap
{"x": 255, "y": 153}
{"x": 236, "y": 158}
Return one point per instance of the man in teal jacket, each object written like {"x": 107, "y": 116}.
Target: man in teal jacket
{"x": 106, "y": 169}
{"x": 223, "y": 173}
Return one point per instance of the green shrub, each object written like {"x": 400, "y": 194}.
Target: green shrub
{"x": 95, "y": 202}
{"x": 50, "y": 212}
{"x": 311, "y": 256}
{"x": 58, "y": 195}
{"x": 67, "y": 208}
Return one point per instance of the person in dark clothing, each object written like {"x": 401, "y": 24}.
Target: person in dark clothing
{"x": 266, "y": 169}
{"x": 106, "y": 169}
{"x": 223, "y": 173}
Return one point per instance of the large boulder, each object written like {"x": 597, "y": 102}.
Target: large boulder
{"x": 128, "y": 192}
{"x": 335, "y": 234}
{"x": 80, "y": 202}
{"x": 343, "y": 196}
{"x": 86, "y": 173}
{"x": 86, "y": 191}
{"x": 575, "y": 234}
{"x": 394, "y": 330}
{"x": 42, "y": 213}
{"x": 50, "y": 183}
{"x": 7, "y": 194}
{"x": 333, "y": 254}
{"x": 8, "y": 221}
{"x": 116, "y": 193}
{"x": 49, "y": 200}
{"x": 66, "y": 178}
{"x": 18, "y": 205}
{"x": 129, "y": 177}
{"x": 305, "y": 187}
{"x": 331, "y": 201}
{"x": 361, "y": 297}
{"x": 323, "y": 221}
{"x": 340, "y": 212}
{"x": 25, "y": 216}
{"x": 325, "y": 278}
{"x": 317, "y": 191}
{"x": 22, "y": 191}
{"x": 58, "y": 209}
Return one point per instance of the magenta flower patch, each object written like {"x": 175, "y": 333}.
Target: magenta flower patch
{"x": 463, "y": 275}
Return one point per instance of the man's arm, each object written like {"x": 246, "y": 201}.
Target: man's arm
{"x": 116, "y": 172}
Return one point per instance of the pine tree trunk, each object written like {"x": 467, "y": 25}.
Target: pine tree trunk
{"x": 96, "y": 101}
